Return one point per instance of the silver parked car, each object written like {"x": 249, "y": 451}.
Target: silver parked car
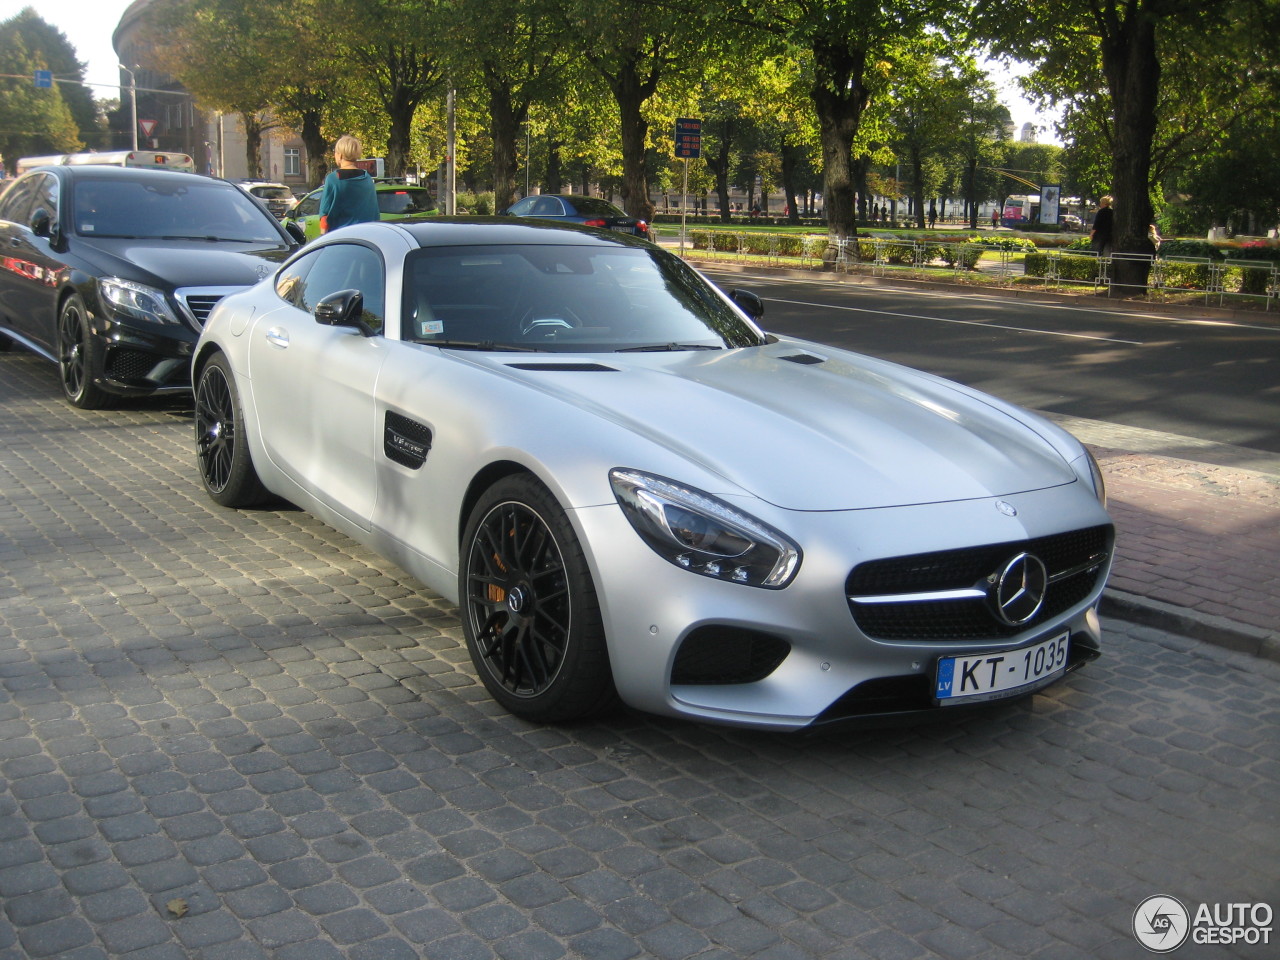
{"x": 632, "y": 491}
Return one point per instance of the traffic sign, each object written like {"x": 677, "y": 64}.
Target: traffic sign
{"x": 148, "y": 126}
{"x": 44, "y": 78}
{"x": 689, "y": 138}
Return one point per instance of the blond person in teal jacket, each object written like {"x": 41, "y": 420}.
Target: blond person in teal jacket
{"x": 348, "y": 195}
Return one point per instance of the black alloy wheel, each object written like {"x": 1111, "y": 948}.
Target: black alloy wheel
{"x": 530, "y": 613}
{"x": 77, "y": 357}
{"x": 226, "y": 468}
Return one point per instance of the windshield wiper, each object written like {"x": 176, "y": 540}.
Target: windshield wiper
{"x": 485, "y": 345}
{"x": 213, "y": 239}
{"x": 661, "y": 347}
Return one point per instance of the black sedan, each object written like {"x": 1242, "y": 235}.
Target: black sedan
{"x": 110, "y": 272}
{"x": 587, "y": 211}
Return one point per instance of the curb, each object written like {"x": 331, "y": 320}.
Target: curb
{"x": 1205, "y": 627}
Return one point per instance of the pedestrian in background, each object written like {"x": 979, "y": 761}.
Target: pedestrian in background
{"x": 1104, "y": 222}
{"x": 348, "y": 195}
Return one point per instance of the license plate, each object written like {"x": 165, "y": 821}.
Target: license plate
{"x": 991, "y": 676}
{"x": 623, "y": 229}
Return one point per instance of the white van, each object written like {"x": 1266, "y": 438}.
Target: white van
{"x": 152, "y": 159}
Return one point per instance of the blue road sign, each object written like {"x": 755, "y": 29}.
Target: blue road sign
{"x": 44, "y": 78}
{"x": 689, "y": 138}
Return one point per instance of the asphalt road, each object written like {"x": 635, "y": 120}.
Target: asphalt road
{"x": 238, "y": 735}
{"x": 1209, "y": 379}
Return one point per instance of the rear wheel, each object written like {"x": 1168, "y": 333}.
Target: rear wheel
{"x": 222, "y": 447}
{"x": 78, "y": 357}
{"x": 529, "y": 608}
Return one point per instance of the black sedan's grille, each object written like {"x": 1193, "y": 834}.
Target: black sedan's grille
{"x": 1075, "y": 562}
{"x": 200, "y": 304}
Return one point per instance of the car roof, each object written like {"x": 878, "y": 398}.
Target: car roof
{"x": 105, "y": 171}
{"x": 466, "y": 231}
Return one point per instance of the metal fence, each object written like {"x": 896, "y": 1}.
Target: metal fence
{"x": 1217, "y": 282}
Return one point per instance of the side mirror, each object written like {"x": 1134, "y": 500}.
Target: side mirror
{"x": 344, "y": 309}
{"x": 42, "y": 223}
{"x": 294, "y": 229}
{"x": 748, "y": 303}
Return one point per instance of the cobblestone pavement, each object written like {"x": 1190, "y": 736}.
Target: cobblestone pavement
{"x": 238, "y": 735}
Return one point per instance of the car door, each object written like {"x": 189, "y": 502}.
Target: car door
{"x": 314, "y": 384}
{"x": 32, "y": 269}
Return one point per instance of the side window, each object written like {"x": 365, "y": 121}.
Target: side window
{"x": 17, "y": 200}
{"x": 548, "y": 207}
{"x": 347, "y": 266}
{"x": 46, "y": 198}
{"x": 522, "y": 207}
{"x": 289, "y": 280}
{"x": 308, "y": 206}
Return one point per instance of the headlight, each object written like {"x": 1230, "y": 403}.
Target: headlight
{"x": 704, "y": 535}
{"x": 1087, "y": 467}
{"x": 136, "y": 301}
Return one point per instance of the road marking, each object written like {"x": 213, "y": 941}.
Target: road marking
{"x": 1005, "y": 304}
{"x": 967, "y": 323}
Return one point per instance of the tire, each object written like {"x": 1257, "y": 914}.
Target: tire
{"x": 222, "y": 443}
{"x": 78, "y": 357}
{"x": 529, "y": 608}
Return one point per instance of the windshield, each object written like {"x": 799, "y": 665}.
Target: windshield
{"x": 580, "y": 299}
{"x": 594, "y": 207}
{"x": 272, "y": 193}
{"x": 405, "y": 201}
{"x": 160, "y": 207}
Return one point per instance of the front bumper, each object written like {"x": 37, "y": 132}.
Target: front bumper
{"x": 796, "y": 657}
{"x": 136, "y": 362}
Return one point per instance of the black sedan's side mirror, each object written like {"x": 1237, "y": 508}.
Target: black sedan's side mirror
{"x": 345, "y": 308}
{"x": 748, "y": 302}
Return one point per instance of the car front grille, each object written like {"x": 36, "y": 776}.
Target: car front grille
{"x": 1075, "y": 562}
{"x": 198, "y": 302}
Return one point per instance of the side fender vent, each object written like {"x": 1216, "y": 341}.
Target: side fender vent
{"x": 405, "y": 441}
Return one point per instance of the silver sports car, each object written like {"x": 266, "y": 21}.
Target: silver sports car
{"x": 633, "y": 492}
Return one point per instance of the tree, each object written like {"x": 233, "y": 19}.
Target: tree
{"x": 847, "y": 41}
{"x": 1067, "y": 40}
{"x": 518, "y": 60}
{"x": 633, "y": 45}
{"x": 33, "y": 120}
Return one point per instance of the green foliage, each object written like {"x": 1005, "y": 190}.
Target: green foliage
{"x": 994, "y": 242}
{"x": 1190, "y": 248}
{"x": 476, "y": 204}
{"x": 34, "y": 121}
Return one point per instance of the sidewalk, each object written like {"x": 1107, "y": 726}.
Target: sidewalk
{"x": 1197, "y": 522}
{"x": 1197, "y": 543}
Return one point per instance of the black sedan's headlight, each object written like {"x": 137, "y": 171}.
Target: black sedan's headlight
{"x": 130, "y": 300}
{"x": 702, "y": 534}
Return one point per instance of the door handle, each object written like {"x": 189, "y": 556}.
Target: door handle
{"x": 278, "y": 337}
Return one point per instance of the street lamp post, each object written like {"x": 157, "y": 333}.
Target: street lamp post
{"x": 133, "y": 101}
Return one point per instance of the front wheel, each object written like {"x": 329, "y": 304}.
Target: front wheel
{"x": 222, "y": 443}
{"x": 78, "y": 357}
{"x": 529, "y": 608}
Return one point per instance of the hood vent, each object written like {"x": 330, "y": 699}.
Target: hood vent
{"x": 567, "y": 367}
{"x": 804, "y": 358}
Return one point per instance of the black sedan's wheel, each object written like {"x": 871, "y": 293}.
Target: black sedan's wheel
{"x": 529, "y": 608}
{"x": 77, "y": 357}
{"x": 222, "y": 447}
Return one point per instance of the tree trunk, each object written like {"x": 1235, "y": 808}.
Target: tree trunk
{"x": 719, "y": 167}
{"x": 971, "y": 190}
{"x": 314, "y": 143}
{"x": 1132, "y": 67}
{"x": 400, "y": 109}
{"x": 790, "y": 157}
{"x": 252, "y": 145}
{"x": 505, "y": 119}
{"x": 838, "y": 99}
{"x": 917, "y": 187}
{"x": 629, "y": 93}
{"x": 554, "y": 179}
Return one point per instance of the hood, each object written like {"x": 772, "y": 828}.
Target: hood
{"x": 185, "y": 263}
{"x": 847, "y": 432}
